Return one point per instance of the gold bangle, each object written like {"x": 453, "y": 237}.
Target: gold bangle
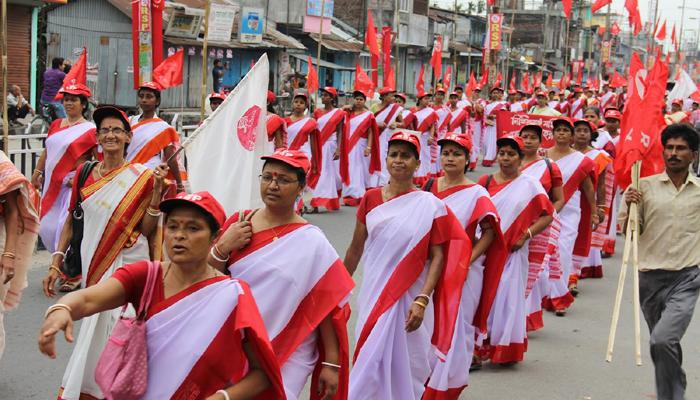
{"x": 423, "y": 296}
{"x": 418, "y": 303}
{"x": 529, "y": 233}
{"x": 153, "y": 212}
{"x": 55, "y": 268}
{"x": 9, "y": 255}
{"x": 58, "y": 306}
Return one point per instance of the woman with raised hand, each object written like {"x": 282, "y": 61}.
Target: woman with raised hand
{"x": 525, "y": 211}
{"x": 118, "y": 207}
{"x": 300, "y": 284}
{"x": 205, "y": 338}
{"x": 415, "y": 254}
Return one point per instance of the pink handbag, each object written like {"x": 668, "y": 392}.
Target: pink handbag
{"x": 122, "y": 370}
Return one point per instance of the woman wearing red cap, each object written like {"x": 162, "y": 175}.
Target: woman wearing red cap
{"x": 302, "y": 135}
{"x": 297, "y": 278}
{"x": 19, "y": 224}
{"x": 414, "y": 252}
{"x": 579, "y": 213}
{"x": 585, "y": 133}
{"x": 477, "y": 122}
{"x": 330, "y": 127}
{"x": 424, "y": 120}
{"x": 388, "y": 116}
{"x": 154, "y": 140}
{"x": 607, "y": 140}
{"x": 204, "y": 334}
{"x": 276, "y": 125}
{"x": 544, "y": 287}
{"x": 359, "y": 155}
{"x": 474, "y": 209}
{"x": 489, "y": 131}
{"x": 459, "y": 116}
{"x": 442, "y": 126}
{"x": 117, "y": 203}
{"x": 525, "y": 211}
{"x": 70, "y": 142}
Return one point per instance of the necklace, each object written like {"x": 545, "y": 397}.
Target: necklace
{"x": 278, "y": 234}
{"x": 99, "y": 168}
{"x": 71, "y": 123}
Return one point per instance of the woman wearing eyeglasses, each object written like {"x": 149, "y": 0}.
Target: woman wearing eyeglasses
{"x": 69, "y": 143}
{"x": 119, "y": 210}
{"x": 298, "y": 280}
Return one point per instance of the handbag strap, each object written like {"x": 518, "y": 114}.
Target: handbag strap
{"x": 82, "y": 178}
{"x": 148, "y": 289}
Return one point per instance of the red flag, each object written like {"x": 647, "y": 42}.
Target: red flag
{"x": 436, "y": 58}
{"x": 499, "y": 80}
{"x": 661, "y": 34}
{"x": 537, "y": 81}
{"x": 642, "y": 123}
{"x": 77, "y": 74}
{"x": 491, "y": 2}
{"x": 362, "y": 81}
{"x": 617, "y": 80}
{"x": 169, "y": 72}
{"x": 471, "y": 84}
{"x": 389, "y": 78}
{"x": 420, "y": 83}
{"x": 601, "y": 31}
{"x": 511, "y": 85}
{"x": 567, "y": 4}
{"x": 386, "y": 56}
{"x": 525, "y": 82}
{"x": 371, "y": 42}
{"x": 615, "y": 29}
{"x": 579, "y": 74}
{"x": 311, "y": 77}
{"x": 549, "y": 81}
{"x": 599, "y": 4}
{"x": 635, "y": 19}
{"x": 673, "y": 34}
{"x": 447, "y": 79}
{"x": 564, "y": 81}
{"x": 484, "y": 78}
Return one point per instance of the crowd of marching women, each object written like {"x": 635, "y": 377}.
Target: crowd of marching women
{"x": 456, "y": 273}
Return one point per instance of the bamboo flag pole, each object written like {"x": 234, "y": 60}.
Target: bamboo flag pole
{"x": 204, "y": 59}
{"x": 631, "y": 246}
{"x": 318, "y": 53}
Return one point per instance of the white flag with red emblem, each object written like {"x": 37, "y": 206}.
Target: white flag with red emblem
{"x": 223, "y": 154}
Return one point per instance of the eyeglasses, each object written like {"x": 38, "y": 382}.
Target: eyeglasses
{"x": 280, "y": 180}
{"x": 116, "y": 131}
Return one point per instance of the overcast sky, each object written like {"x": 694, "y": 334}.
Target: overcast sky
{"x": 668, "y": 9}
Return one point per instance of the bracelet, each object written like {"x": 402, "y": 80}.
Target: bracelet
{"x": 58, "y": 306}
{"x": 327, "y": 364}
{"x": 39, "y": 171}
{"x": 424, "y": 296}
{"x": 55, "y": 268}
{"x": 212, "y": 253}
{"x": 529, "y": 233}
{"x": 57, "y": 253}
{"x": 9, "y": 255}
{"x": 418, "y": 303}
{"x": 223, "y": 393}
{"x": 153, "y": 213}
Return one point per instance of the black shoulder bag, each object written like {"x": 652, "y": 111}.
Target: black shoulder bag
{"x": 429, "y": 184}
{"x": 72, "y": 264}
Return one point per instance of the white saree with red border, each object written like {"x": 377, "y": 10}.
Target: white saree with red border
{"x": 387, "y": 116}
{"x": 325, "y": 193}
{"x": 356, "y": 169}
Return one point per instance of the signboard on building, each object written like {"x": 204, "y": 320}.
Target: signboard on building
{"x": 313, "y": 8}
{"x": 605, "y": 51}
{"x": 221, "y": 22}
{"x": 252, "y": 24}
{"x": 185, "y": 23}
{"x": 312, "y": 18}
{"x": 495, "y": 30}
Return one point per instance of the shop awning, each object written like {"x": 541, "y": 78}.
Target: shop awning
{"x": 324, "y": 63}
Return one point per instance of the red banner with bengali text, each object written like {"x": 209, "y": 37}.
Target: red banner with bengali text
{"x": 509, "y": 124}
{"x": 495, "y": 31}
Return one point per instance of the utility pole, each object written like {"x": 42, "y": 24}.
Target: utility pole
{"x": 454, "y": 40}
{"x": 207, "y": 7}
{"x": 680, "y": 36}
{"x": 397, "y": 28}
{"x": 5, "y": 121}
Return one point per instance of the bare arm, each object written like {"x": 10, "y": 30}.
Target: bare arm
{"x": 535, "y": 229}
{"x": 328, "y": 379}
{"x": 589, "y": 192}
{"x": 235, "y": 237}
{"x": 12, "y": 224}
{"x": 57, "y": 259}
{"x": 278, "y": 139}
{"x": 481, "y": 245}
{"x": 557, "y": 197}
{"x": 356, "y": 248}
{"x": 38, "y": 174}
{"x": 416, "y": 312}
{"x": 253, "y": 383}
{"x": 149, "y": 223}
{"x": 173, "y": 165}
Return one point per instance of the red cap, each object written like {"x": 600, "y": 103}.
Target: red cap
{"x": 331, "y": 90}
{"x": 364, "y": 93}
{"x": 220, "y": 96}
{"x": 454, "y": 94}
{"x": 422, "y": 94}
{"x": 386, "y": 90}
{"x": 495, "y": 88}
{"x": 612, "y": 113}
{"x": 441, "y": 90}
{"x": 293, "y": 158}
{"x": 540, "y": 93}
{"x": 151, "y": 85}
{"x": 587, "y": 122}
{"x": 203, "y": 200}
{"x": 403, "y": 96}
{"x": 459, "y": 139}
{"x": 406, "y": 137}
{"x": 678, "y": 102}
{"x": 271, "y": 97}
{"x": 512, "y": 92}
{"x": 510, "y": 140}
{"x": 301, "y": 93}
{"x": 77, "y": 89}
{"x": 459, "y": 87}
{"x": 103, "y": 112}
{"x": 566, "y": 120}
{"x": 478, "y": 87}
{"x": 578, "y": 89}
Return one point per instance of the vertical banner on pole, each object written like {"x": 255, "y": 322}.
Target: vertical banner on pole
{"x": 142, "y": 44}
{"x": 605, "y": 52}
{"x": 495, "y": 31}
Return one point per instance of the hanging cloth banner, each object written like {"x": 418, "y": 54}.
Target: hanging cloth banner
{"x": 495, "y": 31}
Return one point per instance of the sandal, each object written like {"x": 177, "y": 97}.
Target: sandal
{"x": 70, "y": 284}
{"x": 560, "y": 313}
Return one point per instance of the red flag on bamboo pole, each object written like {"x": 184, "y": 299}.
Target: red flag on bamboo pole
{"x": 525, "y": 82}
{"x": 436, "y": 58}
{"x": 673, "y": 34}
{"x": 447, "y": 79}
{"x": 76, "y": 75}
{"x": 389, "y": 78}
{"x": 311, "y": 78}
{"x": 537, "y": 81}
{"x": 598, "y": 5}
{"x": 549, "y": 81}
{"x": 567, "y": 5}
{"x": 484, "y": 78}
{"x": 642, "y": 122}
{"x": 371, "y": 42}
{"x": 471, "y": 84}
{"x": 615, "y": 29}
{"x": 635, "y": 18}
{"x": 362, "y": 82}
{"x": 499, "y": 80}
{"x": 661, "y": 34}
{"x": 511, "y": 85}
{"x": 420, "y": 82}
{"x": 169, "y": 73}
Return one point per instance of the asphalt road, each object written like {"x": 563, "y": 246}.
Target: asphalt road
{"x": 565, "y": 360}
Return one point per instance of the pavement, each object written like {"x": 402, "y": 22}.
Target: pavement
{"x": 565, "y": 360}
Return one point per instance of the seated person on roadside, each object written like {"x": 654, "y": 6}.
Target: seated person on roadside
{"x": 17, "y": 105}
{"x": 669, "y": 254}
